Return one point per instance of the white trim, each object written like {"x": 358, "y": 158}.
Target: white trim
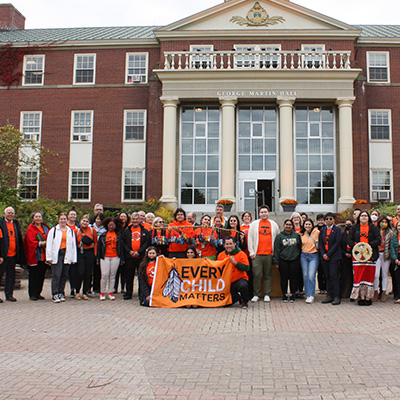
{"x": 126, "y": 68}
{"x": 90, "y": 139}
{"x": 387, "y": 66}
{"x": 144, "y": 111}
{"x": 390, "y": 191}
{"x": 21, "y": 115}
{"x": 389, "y": 111}
{"x": 143, "y": 171}
{"x": 71, "y": 170}
{"x": 24, "y": 70}
{"x": 94, "y": 68}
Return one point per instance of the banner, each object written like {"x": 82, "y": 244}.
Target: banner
{"x": 191, "y": 282}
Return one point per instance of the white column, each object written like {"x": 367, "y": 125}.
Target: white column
{"x": 346, "y": 198}
{"x": 286, "y": 154}
{"x": 170, "y": 170}
{"x": 228, "y": 158}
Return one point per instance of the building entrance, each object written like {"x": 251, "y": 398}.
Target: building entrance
{"x": 256, "y": 192}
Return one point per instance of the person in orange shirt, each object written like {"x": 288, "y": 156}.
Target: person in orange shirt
{"x": 146, "y": 275}
{"x": 12, "y": 251}
{"x": 239, "y": 279}
{"x": 205, "y": 238}
{"x": 178, "y": 234}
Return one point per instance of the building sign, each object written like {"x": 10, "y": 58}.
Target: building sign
{"x": 257, "y": 93}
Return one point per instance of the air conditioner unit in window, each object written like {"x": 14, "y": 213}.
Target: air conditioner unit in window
{"x": 381, "y": 195}
{"x": 84, "y": 138}
{"x": 136, "y": 79}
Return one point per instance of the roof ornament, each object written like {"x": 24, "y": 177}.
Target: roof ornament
{"x": 257, "y": 16}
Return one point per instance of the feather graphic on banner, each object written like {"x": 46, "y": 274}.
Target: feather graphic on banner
{"x": 172, "y": 285}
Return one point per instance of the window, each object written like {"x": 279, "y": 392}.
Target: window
{"x": 200, "y": 149}
{"x": 257, "y": 138}
{"x": 315, "y": 155}
{"x": 378, "y": 67}
{"x": 136, "y": 67}
{"x": 379, "y": 124}
{"x": 28, "y": 185}
{"x": 82, "y": 126}
{"x": 201, "y": 60}
{"x": 33, "y": 70}
{"x": 133, "y": 185}
{"x": 381, "y": 185}
{"x": 312, "y": 59}
{"x": 84, "y": 68}
{"x": 31, "y": 125}
{"x": 135, "y": 124}
{"x": 80, "y": 185}
{"x": 257, "y": 56}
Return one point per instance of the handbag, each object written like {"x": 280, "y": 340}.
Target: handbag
{"x": 315, "y": 242}
{"x": 86, "y": 240}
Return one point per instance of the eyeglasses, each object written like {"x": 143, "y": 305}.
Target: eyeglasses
{"x": 329, "y": 219}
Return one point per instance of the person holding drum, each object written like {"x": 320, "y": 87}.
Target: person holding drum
{"x": 364, "y": 239}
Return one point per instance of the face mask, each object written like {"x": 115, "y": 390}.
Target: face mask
{"x": 383, "y": 225}
{"x": 374, "y": 217}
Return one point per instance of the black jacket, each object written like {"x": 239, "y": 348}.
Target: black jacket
{"x": 374, "y": 239}
{"x": 5, "y": 242}
{"x": 101, "y": 247}
{"x": 127, "y": 241}
{"x": 335, "y": 252}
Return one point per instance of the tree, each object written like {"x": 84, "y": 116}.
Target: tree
{"x": 18, "y": 154}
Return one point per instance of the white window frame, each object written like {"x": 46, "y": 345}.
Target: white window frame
{"x": 375, "y": 193}
{"x": 88, "y": 69}
{"x": 144, "y": 125}
{"x": 252, "y": 61}
{"x": 311, "y": 58}
{"x": 71, "y": 171}
{"x": 202, "y": 60}
{"x": 124, "y": 200}
{"x": 145, "y": 75}
{"x": 82, "y": 136}
{"x": 369, "y": 53}
{"x": 25, "y": 65}
{"x": 24, "y": 170}
{"x": 28, "y": 135}
{"x": 370, "y": 111}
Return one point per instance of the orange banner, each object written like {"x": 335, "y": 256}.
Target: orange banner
{"x": 191, "y": 282}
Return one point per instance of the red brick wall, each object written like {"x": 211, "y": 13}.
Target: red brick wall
{"x": 10, "y": 17}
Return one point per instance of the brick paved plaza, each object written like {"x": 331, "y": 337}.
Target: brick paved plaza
{"x": 269, "y": 351}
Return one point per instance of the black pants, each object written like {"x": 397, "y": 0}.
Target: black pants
{"x": 240, "y": 291}
{"x": 131, "y": 265}
{"x": 394, "y": 280}
{"x": 36, "y": 279}
{"x": 331, "y": 270}
{"x": 84, "y": 270}
{"x": 289, "y": 271}
{"x": 346, "y": 276}
{"x": 321, "y": 277}
{"x": 8, "y": 266}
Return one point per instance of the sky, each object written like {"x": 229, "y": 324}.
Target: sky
{"x": 79, "y": 13}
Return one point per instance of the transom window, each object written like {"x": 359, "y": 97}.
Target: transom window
{"x": 379, "y": 124}
{"x": 31, "y": 125}
{"x": 260, "y": 56}
{"x": 80, "y": 185}
{"x": 33, "y": 70}
{"x": 133, "y": 185}
{"x": 135, "y": 124}
{"x": 28, "y": 185}
{"x": 315, "y": 155}
{"x": 136, "y": 67}
{"x": 82, "y": 126}
{"x": 200, "y": 149}
{"x": 84, "y": 69}
{"x": 257, "y": 138}
{"x": 378, "y": 67}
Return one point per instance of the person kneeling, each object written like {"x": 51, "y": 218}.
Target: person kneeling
{"x": 239, "y": 279}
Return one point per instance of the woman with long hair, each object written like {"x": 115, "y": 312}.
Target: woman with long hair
{"x": 179, "y": 234}
{"x": 146, "y": 275}
{"x": 239, "y": 237}
{"x": 298, "y": 226}
{"x": 121, "y": 272}
{"x": 205, "y": 238}
{"x": 97, "y": 225}
{"x": 35, "y": 251}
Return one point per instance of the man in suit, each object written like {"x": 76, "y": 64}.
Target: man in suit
{"x": 330, "y": 251}
{"x": 12, "y": 250}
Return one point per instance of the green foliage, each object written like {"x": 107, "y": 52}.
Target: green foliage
{"x": 387, "y": 208}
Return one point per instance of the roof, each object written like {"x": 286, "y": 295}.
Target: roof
{"x": 379, "y": 31}
{"x": 71, "y": 34}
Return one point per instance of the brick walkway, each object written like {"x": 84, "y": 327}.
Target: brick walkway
{"x": 270, "y": 351}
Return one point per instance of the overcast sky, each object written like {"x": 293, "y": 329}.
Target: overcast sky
{"x": 77, "y": 13}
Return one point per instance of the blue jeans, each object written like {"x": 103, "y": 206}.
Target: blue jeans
{"x": 309, "y": 266}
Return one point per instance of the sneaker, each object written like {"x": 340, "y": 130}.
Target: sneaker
{"x": 55, "y": 299}
{"x": 77, "y": 297}
{"x": 284, "y": 299}
{"x": 102, "y": 296}
{"x": 84, "y": 297}
{"x": 91, "y": 294}
{"x": 61, "y": 296}
{"x": 309, "y": 299}
{"x": 111, "y": 296}
{"x": 292, "y": 298}
{"x": 267, "y": 299}
{"x": 254, "y": 299}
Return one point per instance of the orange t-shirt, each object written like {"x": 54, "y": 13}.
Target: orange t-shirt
{"x": 240, "y": 257}
{"x": 206, "y": 249}
{"x": 364, "y": 230}
{"x": 264, "y": 238}
{"x": 64, "y": 240}
{"x": 297, "y": 230}
{"x": 398, "y": 238}
{"x": 147, "y": 226}
{"x": 1, "y": 234}
{"x": 73, "y": 227}
{"x": 135, "y": 238}
{"x": 151, "y": 266}
{"x": 12, "y": 240}
{"x": 328, "y": 233}
{"x": 111, "y": 245}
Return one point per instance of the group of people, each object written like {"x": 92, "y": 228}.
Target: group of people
{"x": 97, "y": 254}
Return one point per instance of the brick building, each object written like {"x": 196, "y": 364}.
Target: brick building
{"x": 244, "y": 98}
